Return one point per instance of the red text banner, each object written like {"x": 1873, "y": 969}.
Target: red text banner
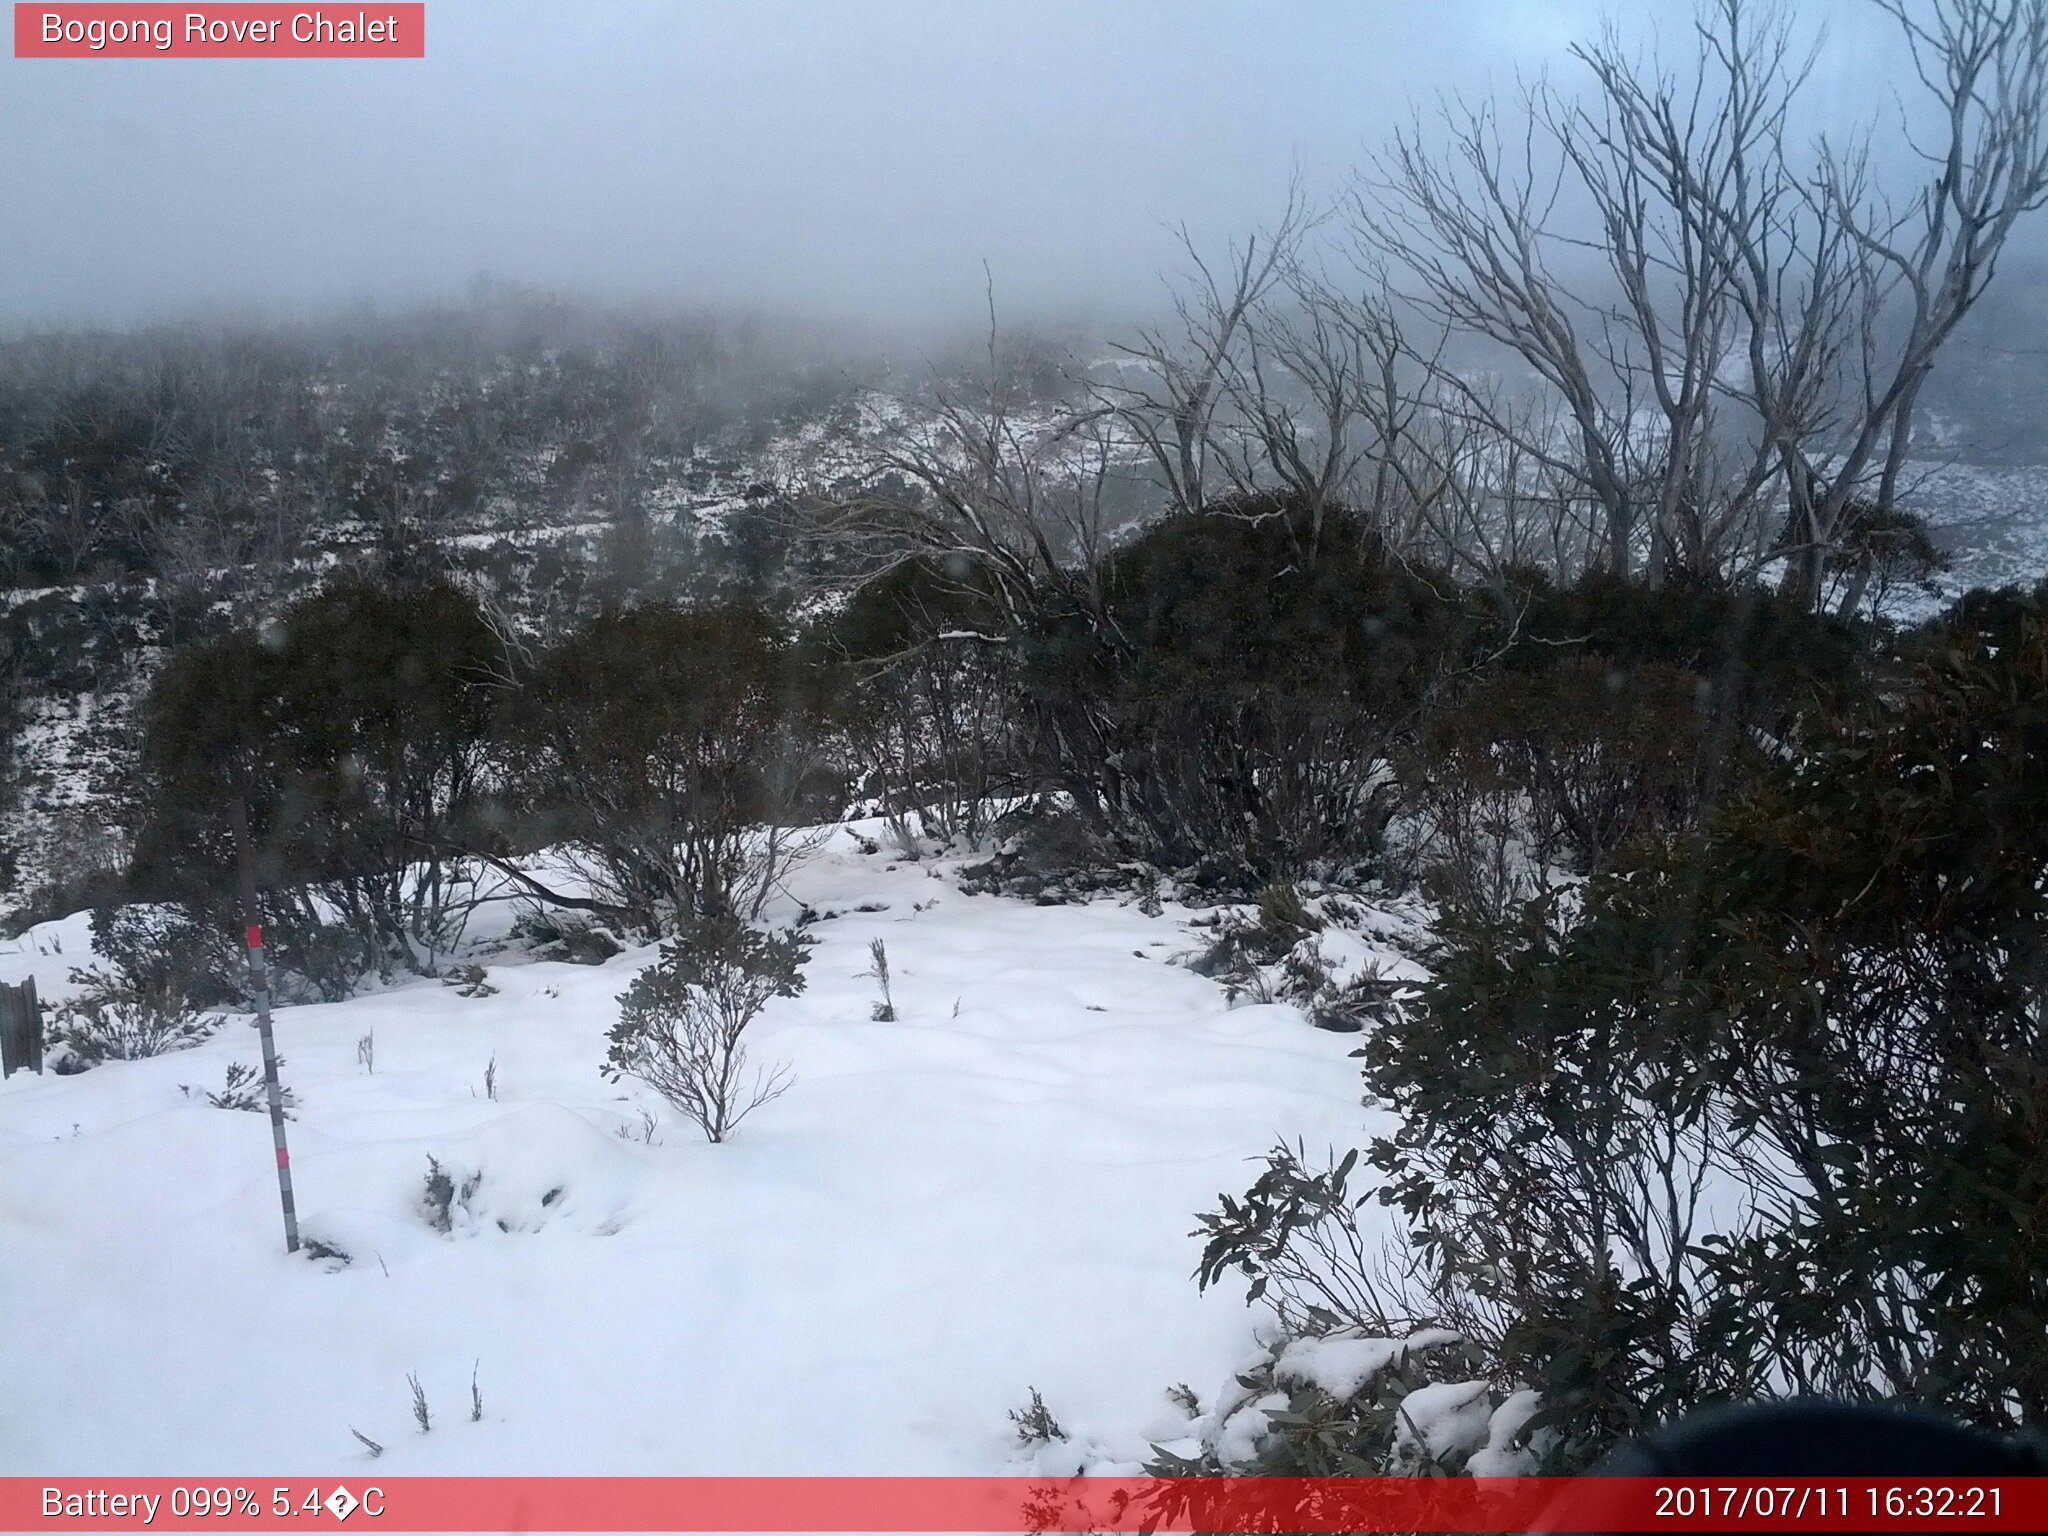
{"x": 234, "y": 31}
{"x": 1015, "y": 1504}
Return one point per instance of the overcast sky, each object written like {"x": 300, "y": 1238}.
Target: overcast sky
{"x": 839, "y": 156}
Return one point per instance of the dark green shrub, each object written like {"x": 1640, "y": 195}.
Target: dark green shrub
{"x": 1764, "y": 1111}
{"x": 121, "y": 1018}
{"x": 1982, "y": 616}
{"x": 1765, "y": 663}
{"x": 1600, "y": 752}
{"x": 1231, "y": 709}
{"x": 353, "y": 742}
{"x": 929, "y": 707}
{"x": 665, "y": 747}
{"x": 173, "y": 949}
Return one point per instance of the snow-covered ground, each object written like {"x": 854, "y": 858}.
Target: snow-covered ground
{"x": 993, "y": 1193}
{"x": 1992, "y": 521}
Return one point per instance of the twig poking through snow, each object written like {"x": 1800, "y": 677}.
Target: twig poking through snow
{"x": 419, "y": 1404}
{"x": 885, "y": 1010}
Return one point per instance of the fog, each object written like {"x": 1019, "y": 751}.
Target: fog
{"x": 835, "y": 158}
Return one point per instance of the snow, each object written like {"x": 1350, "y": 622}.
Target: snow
{"x": 1343, "y": 1364}
{"x": 1499, "y": 1457}
{"x": 993, "y": 1193}
{"x": 1442, "y": 1420}
{"x": 1238, "y": 1442}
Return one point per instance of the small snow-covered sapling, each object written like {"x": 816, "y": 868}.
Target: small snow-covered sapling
{"x": 1035, "y": 1423}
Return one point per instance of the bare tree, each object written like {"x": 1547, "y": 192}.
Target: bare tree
{"x": 1329, "y": 404}
{"x": 1920, "y": 262}
{"x": 999, "y": 494}
{"x": 1167, "y": 395}
{"x": 1636, "y": 195}
{"x": 1724, "y": 327}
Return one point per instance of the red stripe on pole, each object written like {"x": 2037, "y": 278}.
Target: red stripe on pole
{"x": 254, "y": 934}
{"x": 284, "y": 1158}
{"x": 1018, "y": 1504}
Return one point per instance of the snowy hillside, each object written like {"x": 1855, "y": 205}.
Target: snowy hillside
{"x": 989, "y": 1195}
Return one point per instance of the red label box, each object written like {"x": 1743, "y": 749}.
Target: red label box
{"x": 1104, "y": 1506}
{"x": 366, "y": 29}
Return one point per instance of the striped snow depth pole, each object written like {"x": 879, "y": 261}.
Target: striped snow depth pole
{"x": 259, "y": 977}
